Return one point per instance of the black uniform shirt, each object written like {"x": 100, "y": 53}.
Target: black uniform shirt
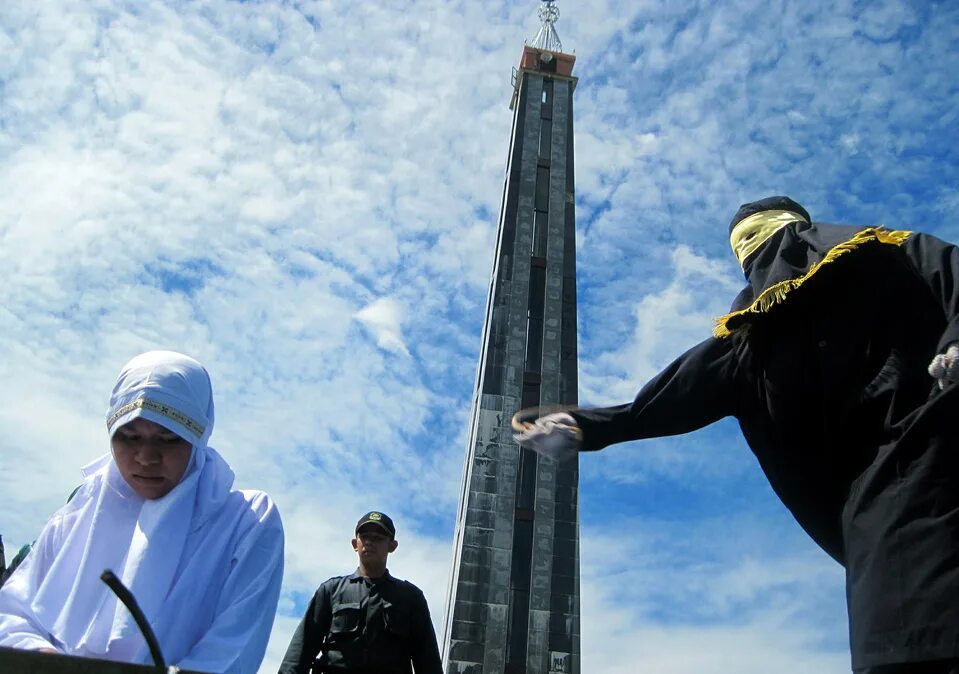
{"x": 365, "y": 625}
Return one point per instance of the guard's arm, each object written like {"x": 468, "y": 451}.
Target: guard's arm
{"x": 308, "y": 639}
{"x": 424, "y": 651}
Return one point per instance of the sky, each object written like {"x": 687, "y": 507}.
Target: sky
{"x": 304, "y": 197}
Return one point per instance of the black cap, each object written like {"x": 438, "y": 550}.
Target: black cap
{"x": 379, "y": 519}
{"x": 767, "y": 204}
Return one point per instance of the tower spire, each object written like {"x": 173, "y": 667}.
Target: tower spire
{"x": 513, "y": 597}
{"x": 547, "y": 37}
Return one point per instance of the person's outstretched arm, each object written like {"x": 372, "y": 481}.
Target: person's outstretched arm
{"x": 695, "y": 390}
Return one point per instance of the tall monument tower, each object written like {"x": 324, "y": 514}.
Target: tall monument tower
{"x": 513, "y": 599}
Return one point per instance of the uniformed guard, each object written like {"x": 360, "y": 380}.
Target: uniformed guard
{"x": 367, "y": 622}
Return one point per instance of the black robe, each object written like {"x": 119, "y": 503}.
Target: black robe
{"x": 828, "y": 379}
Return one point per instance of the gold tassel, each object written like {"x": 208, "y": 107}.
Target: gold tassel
{"x": 776, "y": 294}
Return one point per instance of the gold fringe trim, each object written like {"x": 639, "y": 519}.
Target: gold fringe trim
{"x": 776, "y": 294}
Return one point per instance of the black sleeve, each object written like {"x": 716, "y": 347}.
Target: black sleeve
{"x": 695, "y": 390}
{"x": 937, "y": 262}
{"x": 424, "y": 652}
{"x": 305, "y": 644}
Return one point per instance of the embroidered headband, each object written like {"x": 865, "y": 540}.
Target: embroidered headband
{"x": 170, "y": 413}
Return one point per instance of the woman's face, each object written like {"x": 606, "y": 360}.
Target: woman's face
{"x": 151, "y": 458}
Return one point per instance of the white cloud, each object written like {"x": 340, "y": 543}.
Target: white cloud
{"x": 663, "y": 325}
{"x": 241, "y": 181}
{"x": 664, "y": 596}
{"x": 384, "y": 318}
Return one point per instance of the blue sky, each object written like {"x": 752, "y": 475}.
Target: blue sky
{"x": 304, "y": 196}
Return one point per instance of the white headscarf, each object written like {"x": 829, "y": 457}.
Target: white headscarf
{"x": 141, "y": 540}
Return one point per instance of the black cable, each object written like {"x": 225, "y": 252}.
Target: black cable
{"x": 124, "y": 595}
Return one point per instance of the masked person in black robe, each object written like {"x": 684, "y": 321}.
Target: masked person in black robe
{"x": 825, "y": 360}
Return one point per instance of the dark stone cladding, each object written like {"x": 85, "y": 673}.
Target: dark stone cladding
{"x": 513, "y": 598}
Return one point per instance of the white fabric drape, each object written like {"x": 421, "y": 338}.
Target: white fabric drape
{"x": 190, "y": 558}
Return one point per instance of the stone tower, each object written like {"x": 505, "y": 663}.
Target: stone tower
{"x": 513, "y": 598}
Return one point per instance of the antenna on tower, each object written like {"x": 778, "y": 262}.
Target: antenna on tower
{"x": 547, "y": 38}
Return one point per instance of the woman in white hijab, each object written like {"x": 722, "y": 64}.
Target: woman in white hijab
{"x": 203, "y": 560}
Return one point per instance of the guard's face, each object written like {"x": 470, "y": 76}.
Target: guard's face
{"x": 373, "y": 545}
{"x": 151, "y": 458}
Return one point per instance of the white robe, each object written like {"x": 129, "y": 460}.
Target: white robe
{"x": 204, "y": 561}
{"x": 219, "y": 611}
